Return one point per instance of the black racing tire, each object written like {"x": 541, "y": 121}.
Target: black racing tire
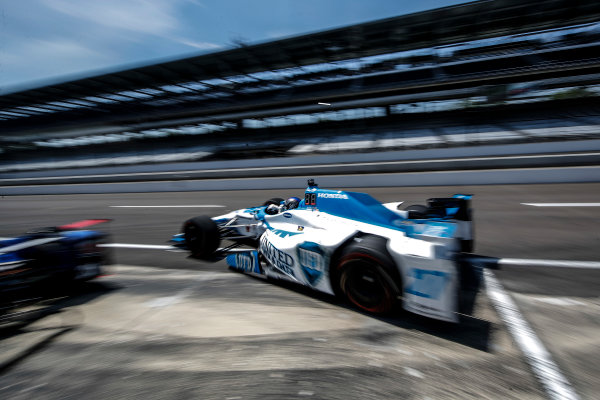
{"x": 416, "y": 211}
{"x": 367, "y": 275}
{"x": 202, "y": 237}
{"x": 275, "y": 200}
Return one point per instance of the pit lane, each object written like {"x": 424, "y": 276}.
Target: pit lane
{"x": 165, "y": 326}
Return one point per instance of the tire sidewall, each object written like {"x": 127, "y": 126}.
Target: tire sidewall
{"x": 372, "y": 255}
{"x": 201, "y": 236}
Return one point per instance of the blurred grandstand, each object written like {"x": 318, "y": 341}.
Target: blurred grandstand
{"x": 503, "y": 71}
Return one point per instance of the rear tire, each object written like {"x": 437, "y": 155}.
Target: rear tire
{"x": 201, "y": 237}
{"x": 367, "y": 275}
{"x": 275, "y": 200}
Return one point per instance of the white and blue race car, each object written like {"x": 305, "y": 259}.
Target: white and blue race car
{"x": 348, "y": 244}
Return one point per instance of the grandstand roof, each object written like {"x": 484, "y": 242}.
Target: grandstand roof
{"x": 139, "y": 92}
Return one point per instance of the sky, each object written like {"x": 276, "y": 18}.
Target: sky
{"x": 48, "y": 41}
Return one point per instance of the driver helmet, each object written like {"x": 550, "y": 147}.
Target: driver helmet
{"x": 271, "y": 209}
{"x": 291, "y": 203}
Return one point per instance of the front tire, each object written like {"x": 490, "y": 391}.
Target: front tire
{"x": 202, "y": 237}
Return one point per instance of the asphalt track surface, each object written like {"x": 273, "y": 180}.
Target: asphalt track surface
{"x": 164, "y": 326}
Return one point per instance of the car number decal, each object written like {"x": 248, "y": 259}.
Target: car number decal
{"x": 310, "y": 199}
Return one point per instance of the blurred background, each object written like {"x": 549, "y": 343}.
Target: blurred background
{"x": 121, "y": 83}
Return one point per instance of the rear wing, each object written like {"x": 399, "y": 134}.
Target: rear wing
{"x": 68, "y": 227}
{"x": 82, "y": 224}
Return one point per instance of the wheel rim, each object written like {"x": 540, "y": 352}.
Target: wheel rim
{"x": 364, "y": 286}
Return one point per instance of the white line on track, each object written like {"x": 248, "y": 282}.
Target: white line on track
{"x": 138, "y": 246}
{"x": 528, "y": 262}
{"x": 190, "y": 206}
{"x": 562, "y": 204}
{"x": 545, "y": 369}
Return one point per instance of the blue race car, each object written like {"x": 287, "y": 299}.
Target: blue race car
{"x": 41, "y": 261}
